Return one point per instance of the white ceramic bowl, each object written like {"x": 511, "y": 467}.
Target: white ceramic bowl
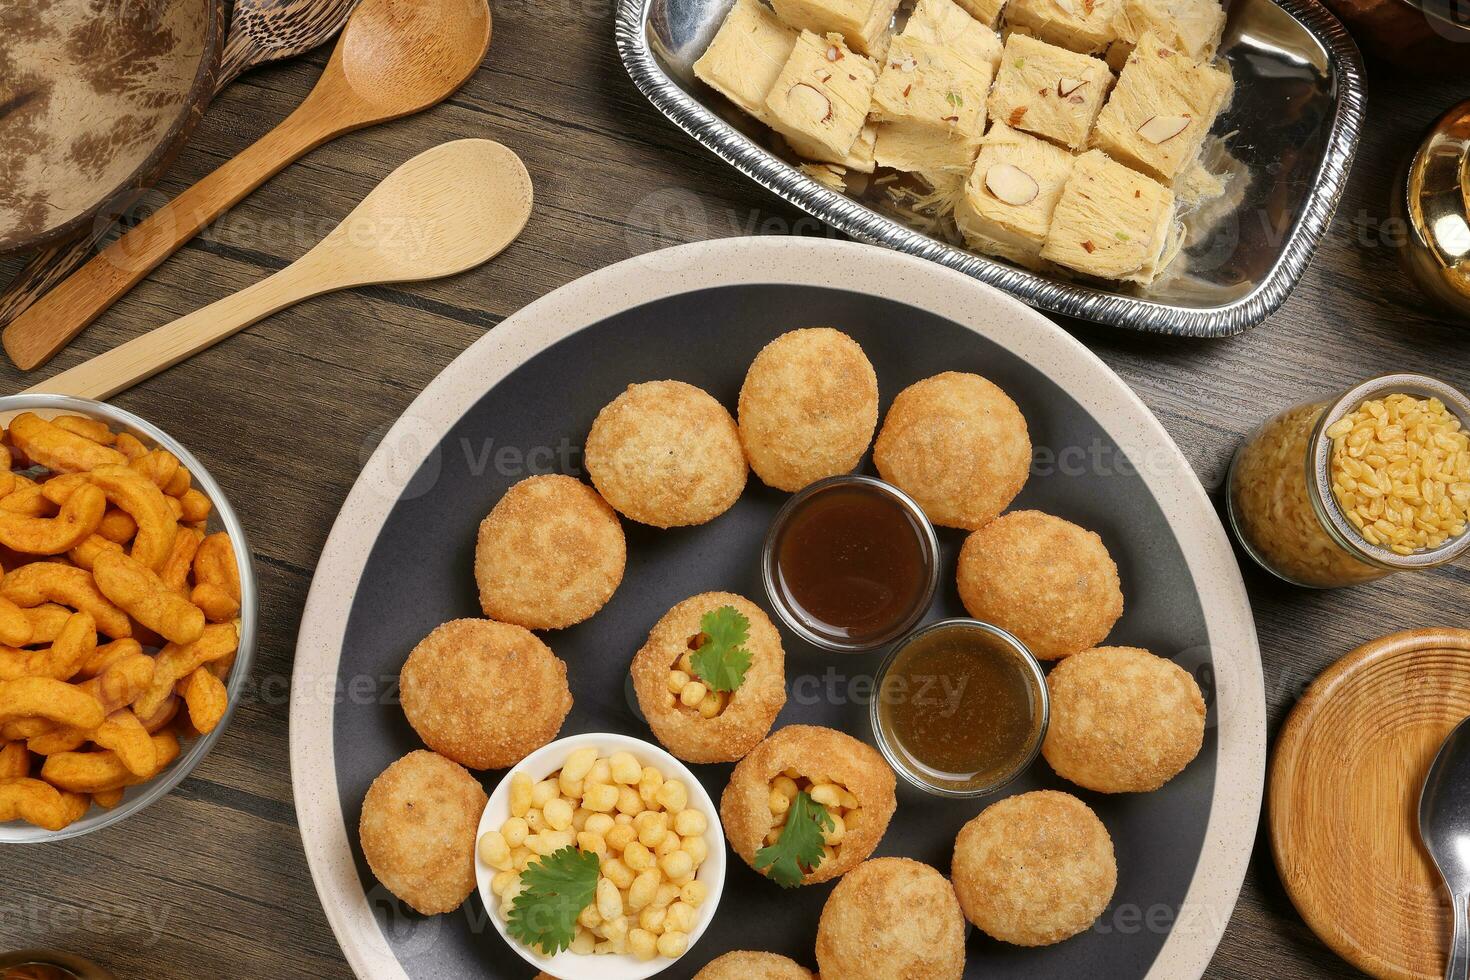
{"x": 547, "y": 760}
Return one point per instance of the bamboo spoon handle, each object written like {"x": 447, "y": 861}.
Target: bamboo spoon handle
{"x": 161, "y": 348}
{"x": 36, "y": 335}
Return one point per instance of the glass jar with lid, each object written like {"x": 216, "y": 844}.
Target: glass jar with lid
{"x": 1346, "y": 490}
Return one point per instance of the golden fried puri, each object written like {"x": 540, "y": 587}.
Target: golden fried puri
{"x": 550, "y": 554}
{"x": 742, "y": 965}
{"x": 892, "y": 917}
{"x": 1122, "y": 720}
{"x": 485, "y": 694}
{"x": 666, "y": 453}
{"x": 811, "y": 757}
{"x": 743, "y": 717}
{"x": 418, "y": 831}
{"x": 1034, "y": 869}
{"x": 1048, "y": 581}
{"x": 808, "y": 408}
{"x": 958, "y": 445}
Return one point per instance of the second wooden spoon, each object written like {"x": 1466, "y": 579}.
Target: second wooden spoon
{"x": 447, "y": 210}
{"x": 395, "y": 58}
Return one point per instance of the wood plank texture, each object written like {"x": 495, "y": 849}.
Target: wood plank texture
{"x": 212, "y": 880}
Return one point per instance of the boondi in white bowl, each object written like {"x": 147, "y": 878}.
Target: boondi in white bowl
{"x": 605, "y": 850}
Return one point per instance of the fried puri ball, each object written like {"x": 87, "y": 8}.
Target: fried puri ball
{"x": 1034, "y": 869}
{"x": 1046, "y": 580}
{"x": 742, "y": 965}
{"x": 892, "y": 917}
{"x": 484, "y": 694}
{"x": 697, "y": 724}
{"x": 550, "y": 554}
{"x": 808, "y": 408}
{"x": 846, "y": 776}
{"x": 666, "y": 453}
{"x": 417, "y": 829}
{"x": 1122, "y": 720}
{"x": 958, "y": 445}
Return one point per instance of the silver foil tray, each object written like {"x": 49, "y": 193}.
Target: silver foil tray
{"x": 1288, "y": 136}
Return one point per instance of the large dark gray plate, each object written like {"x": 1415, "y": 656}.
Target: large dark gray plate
{"x": 417, "y": 574}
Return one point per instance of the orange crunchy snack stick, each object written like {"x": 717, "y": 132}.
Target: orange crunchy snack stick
{"x": 98, "y": 772}
{"x": 75, "y": 644}
{"x": 15, "y": 761}
{"x": 57, "y": 449}
{"x": 15, "y": 625}
{"x": 79, "y": 517}
{"x": 43, "y": 697}
{"x": 138, "y": 591}
{"x": 125, "y": 735}
{"x": 108, "y": 798}
{"x": 94, "y": 429}
{"x": 40, "y": 804}
{"x": 141, "y": 499}
{"x": 31, "y": 585}
{"x": 206, "y": 698}
{"x": 175, "y": 662}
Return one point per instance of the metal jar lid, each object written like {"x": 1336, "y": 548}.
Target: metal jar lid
{"x": 1437, "y": 207}
{"x": 1319, "y": 462}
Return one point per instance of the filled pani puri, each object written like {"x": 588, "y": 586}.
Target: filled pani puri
{"x": 711, "y": 678}
{"x": 808, "y": 804}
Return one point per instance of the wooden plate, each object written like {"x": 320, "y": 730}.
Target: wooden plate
{"x": 96, "y": 98}
{"x": 1344, "y": 800}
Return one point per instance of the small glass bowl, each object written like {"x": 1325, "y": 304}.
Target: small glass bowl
{"x": 900, "y": 760}
{"x": 222, "y": 517}
{"x": 793, "y": 617}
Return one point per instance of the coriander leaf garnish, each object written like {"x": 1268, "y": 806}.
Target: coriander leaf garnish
{"x": 799, "y": 848}
{"x": 722, "y": 660}
{"x": 955, "y": 99}
{"x": 554, "y": 891}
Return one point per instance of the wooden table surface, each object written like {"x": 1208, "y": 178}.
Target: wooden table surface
{"x": 212, "y": 880}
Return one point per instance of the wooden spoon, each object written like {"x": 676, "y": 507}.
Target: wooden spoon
{"x": 260, "y": 32}
{"x": 447, "y": 210}
{"x": 395, "y": 58}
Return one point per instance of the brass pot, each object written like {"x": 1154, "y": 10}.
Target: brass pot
{"x": 1434, "y": 201}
